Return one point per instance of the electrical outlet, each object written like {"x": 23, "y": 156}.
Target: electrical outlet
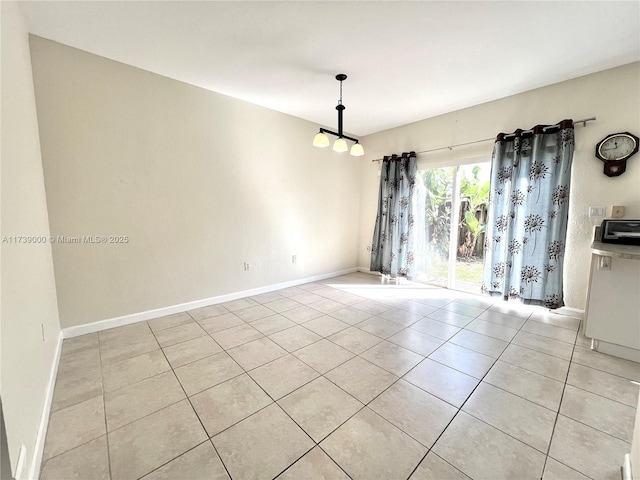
{"x": 604, "y": 263}
{"x": 294, "y": 259}
{"x": 617, "y": 211}
{"x": 596, "y": 211}
{"x": 247, "y": 266}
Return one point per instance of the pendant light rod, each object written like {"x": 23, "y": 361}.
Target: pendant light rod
{"x": 321, "y": 140}
{"x": 324, "y": 130}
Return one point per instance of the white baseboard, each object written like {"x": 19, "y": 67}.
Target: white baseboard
{"x": 78, "y": 330}
{"x": 36, "y": 461}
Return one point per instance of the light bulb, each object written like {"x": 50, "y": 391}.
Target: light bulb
{"x": 357, "y": 150}
{"x": 321, "y": 140}
{"x": 340, "y": 145}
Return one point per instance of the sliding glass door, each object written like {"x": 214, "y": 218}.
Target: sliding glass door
{"x": 455, "y": 210}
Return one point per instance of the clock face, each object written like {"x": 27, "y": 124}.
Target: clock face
{"x": 617, "y": 147}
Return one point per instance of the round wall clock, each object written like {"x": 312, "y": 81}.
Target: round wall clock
{"x": 614, "y": 150}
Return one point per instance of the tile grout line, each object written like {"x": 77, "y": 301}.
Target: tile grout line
{"x": 104, "y": 406}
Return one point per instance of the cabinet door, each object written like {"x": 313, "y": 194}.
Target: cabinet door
{"x": 613, "y": 311}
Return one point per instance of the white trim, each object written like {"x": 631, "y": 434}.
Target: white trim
{"x": 78, "y": 330}
{"x": 569, "y": 312}
{"x": 36, "y": 461}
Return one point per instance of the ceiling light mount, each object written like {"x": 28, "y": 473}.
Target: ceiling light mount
{"x": 340, "y": 145}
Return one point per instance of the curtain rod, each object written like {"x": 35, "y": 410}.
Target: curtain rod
{"x": 575, "y": 122}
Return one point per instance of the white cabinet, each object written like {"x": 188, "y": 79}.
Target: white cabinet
{"x": 612, "y": 317}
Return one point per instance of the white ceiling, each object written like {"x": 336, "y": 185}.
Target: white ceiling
{"x": 405, "y": 60}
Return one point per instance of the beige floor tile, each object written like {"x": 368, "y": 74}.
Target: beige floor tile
{"x": 495, "y": 454}
{"x": 506, "y": 319}
{"x": 282, "y": 376}
{"x": 393, "y": 358}
{"x": 526, "y": 384}
{"x": 325, "y": 325}
{"x": 116, "y": 349}
{"x": 76, "y": 388}
{"x": 603, "y": 383}
{"x": 361, "y": 379}
{"x": 74, "y": 426}
{"x": 371, "y": 307}
{"x": 416, "y": 341}
{"x": 79, "y": 362}
{"x": 452, "y": 318}
{"x": 89, "y": 461}
{"x": 555, "y": 470}
{"x": 355, "y": 340}
{"x": 380, "y": 327}
{"x": 550, "y": 331}
{"x": 462, "y": 359}
{"x": 434, "y": 301}
{"x": 414, "y": 411}
{"x": 220, "y": 322}
{"x": 583, "y": 341}
{"x": 314, "y": 465}
{"x": 494, "y": 330}
{"x": 267, "y": 297}
{"x": 542, "y": 344}
{"x": 526, "y": 421}
{"x": 474, "y": 300}
{"x": 207, "y": 312}
{"x": 320, "y": 407}
{"x": 538, "y": 362}
{"x": 302, "y": 314}
{"x": 305, "y": 297}
{"x": 327, "y": 305}
{"x": 323, "y": 355}
{"x": 283, "y": 305}
{"x": 291, "y": 291}
{"x": 252, "y": 314}
{"x": 258, "y": 352}
{"x": 406, "y": 317}
{"x": 434, "y": 468}
{"x": 598, "y": 412}
{"x": 208, "y": 372}
{"x": 200, "y": 463}
{"x": 76, "y": 344}
{"x": 350, "y": 315}
{"x": 367, "y": 447}
{"x": 480, "y": 343}
{"x": 169, "y": 321}
{"x": 232, "y": 337}
{"x": 421, "y": 309}
{"x": 144, "y": 445}
{"x": 295, "y": 338}
{"x": 126, "y": 372}
{"x": 607, "y": 363}
{"x": 239, "y": 304}
{"x": 225, "y": 404}
{"x": 434, "y": 328}
{"x": 550, "y": 318}
{"x": 272, "y": 433}
{"x": 446, "y": 383}
{"x": 587, "y": 450}
{"x": 513, "y": 309}
{"x": 124, "y": 332}
{"x": 181, "y": 333}
{"x": 191, "y": 350}
{"x": 273, "y": 324}
{"x": 463, "y": 308}
{"x": 135, "y": 401}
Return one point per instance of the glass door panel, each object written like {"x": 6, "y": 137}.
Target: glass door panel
{"x": 455, "y": 210}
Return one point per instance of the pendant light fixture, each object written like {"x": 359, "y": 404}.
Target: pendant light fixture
{"x": 340, "y": 145}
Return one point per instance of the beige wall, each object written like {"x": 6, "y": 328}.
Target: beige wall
{"x": 28, "y": 290}
{"x": 199, "y": 182}
{"x": 613, "y": 96}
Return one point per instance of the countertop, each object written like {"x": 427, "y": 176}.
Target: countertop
{"x": 613, "y": 249}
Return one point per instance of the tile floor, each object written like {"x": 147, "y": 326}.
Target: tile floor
{"x": 346, "y": 378}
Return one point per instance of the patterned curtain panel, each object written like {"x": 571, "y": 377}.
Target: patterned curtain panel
{"x": 392, "y": 249}
{"x": 528, "y": 211}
